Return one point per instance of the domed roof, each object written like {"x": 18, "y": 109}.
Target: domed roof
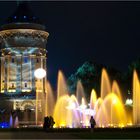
{"x": 23, "y": 13}
{"x": 23, "y": 17}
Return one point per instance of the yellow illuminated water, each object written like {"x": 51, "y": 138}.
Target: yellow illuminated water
{"x": 61, "y": 85}
{"x": 116, "y": 89}
{"x": 50, "y": 101}
{"x": 105, "y": 84}
{"x": 136, "y": 99}
{"x": 63, "y": 115}
{"x": 109, "y": 109}
{"x": 111, "y": 112}
{"x": 80, "y": 92}
{"x": 93, "y": 99}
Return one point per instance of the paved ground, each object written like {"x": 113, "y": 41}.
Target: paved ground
{"x": 70, "y": 134}
{"x": 36, "y": 135}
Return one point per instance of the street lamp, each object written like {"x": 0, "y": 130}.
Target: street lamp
{"x": 39, "y": 73}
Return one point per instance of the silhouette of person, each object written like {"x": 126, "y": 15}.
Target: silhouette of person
{"x": 51, "y": 121}
{"x": 92, "y": 122}
{"x": 46, "y": 122}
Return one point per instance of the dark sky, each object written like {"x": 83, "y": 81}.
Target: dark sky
{"x": 104, "y": 32}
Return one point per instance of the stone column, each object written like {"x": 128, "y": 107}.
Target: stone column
{"x": 19, "y": 71}
{"x": 33, "y": 69}
{"x": 5, "y": 75}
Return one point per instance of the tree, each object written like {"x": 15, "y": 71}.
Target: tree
{"x": 90, "y": 76}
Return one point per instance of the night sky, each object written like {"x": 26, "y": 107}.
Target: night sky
{"x": 104, "y": 32}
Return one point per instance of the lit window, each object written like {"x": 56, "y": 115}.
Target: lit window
{"x": 25, "y": 60}
{"x": 12, "y": 85}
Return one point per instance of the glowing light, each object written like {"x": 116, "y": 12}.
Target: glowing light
{"x": 4, "y": 125}
{"x": 93, "y": 99}
{"x": 39, "y": 90}
{"x": 54, "y": 126}
{"x": 129, "y": 124}
{"x": 26, "y": 90}
{"x": 62, "y": 124}
{"x": 89, "y": 112}
{"x": 12, "y": 90}
{"x": 2, "y": 91}
{"x": 71, "y": 106}
{"x": 129, "y": 102}
{"x": 114, "y": 101}
{"x": 82, "y": 107}
{"x": 40, "y": 73}
{"x": 121, "y": 125}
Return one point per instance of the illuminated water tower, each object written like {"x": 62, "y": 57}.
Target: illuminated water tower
{"x": 23, "y": 50}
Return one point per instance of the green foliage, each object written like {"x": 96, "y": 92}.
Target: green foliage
{"x": 90, "y": 76}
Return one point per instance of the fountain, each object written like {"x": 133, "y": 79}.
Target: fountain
{"x": 105, "y": 84}
{"x": 108, "y": 110}
{"x": 111, "y": 112}
{"x": 136, "y": 99}
{"x": 61, "y": 85}
{"x": 62, "y": 115}
{"x": 80, "y": 92}
{"x": 74, "y": 111}
{"x": 93, "y": 99}
{"x": 50, "y": 101}
{"x": 16, "y": 123}
{"x": 116, "y": 89}
{"x": 11, "y": 121}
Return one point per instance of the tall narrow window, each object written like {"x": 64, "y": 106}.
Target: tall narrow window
{"x": 37, "y": 60}
{"x": 13, "y": 60}
{"x": 25, "y": 84}
{"x": 12, "y": 85}
{"x": 25, "y": 59}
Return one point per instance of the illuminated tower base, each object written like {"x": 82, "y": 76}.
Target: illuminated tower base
{"x": 23, "y": 50}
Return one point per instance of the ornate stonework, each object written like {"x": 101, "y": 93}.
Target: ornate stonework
{"x": 22, "y": 104}
{"x": 23, "y": 33}
{"x": 23, "y": 38}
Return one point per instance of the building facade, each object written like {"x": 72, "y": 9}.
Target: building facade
{"x": 23, "y": 50}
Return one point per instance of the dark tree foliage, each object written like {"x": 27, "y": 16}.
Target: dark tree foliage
{"x": 134, "y": 65}
{"x": 128, "y": 76}
{"x": 90, "y": 76}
